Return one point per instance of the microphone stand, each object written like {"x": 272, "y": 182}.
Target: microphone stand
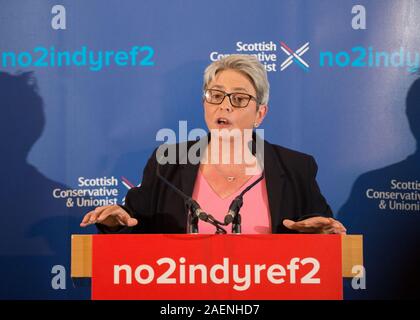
{"x": 233, "y": 215}
{"x": 192, "y": 218}
{"x": 216, "y": 223}
{"x": 236, "y": 224}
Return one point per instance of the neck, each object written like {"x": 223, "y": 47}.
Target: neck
{"x": 232, "y": 150}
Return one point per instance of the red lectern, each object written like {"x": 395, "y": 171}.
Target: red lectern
{"x": 215, "y": 267}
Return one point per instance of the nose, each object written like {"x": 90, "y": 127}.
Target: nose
{"x": 226, "y": 104}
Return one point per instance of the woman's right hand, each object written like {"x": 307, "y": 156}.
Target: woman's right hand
{"x": 110, "y": 216}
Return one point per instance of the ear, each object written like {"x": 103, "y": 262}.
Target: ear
{"x": 261, "y": 113}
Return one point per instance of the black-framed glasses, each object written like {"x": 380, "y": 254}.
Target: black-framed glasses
{"x": 237, "y": 99}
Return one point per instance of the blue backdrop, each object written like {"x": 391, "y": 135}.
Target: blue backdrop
{"x": 355, "y": 109}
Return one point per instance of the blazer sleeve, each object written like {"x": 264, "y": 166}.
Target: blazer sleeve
{"x": 139, "y": 202}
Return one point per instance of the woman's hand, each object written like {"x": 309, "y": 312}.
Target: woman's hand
{"x": 316, "y": 225}
{"x": 110, "y": 216}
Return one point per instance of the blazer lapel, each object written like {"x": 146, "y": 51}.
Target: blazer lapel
{"x": 274, "y": 178}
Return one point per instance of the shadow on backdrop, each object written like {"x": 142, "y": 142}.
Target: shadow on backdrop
{"x": 36, "y": 227}
{"x": 391, "y": 233}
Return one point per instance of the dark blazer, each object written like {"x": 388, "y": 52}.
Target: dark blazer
{"x": 292, "y": 191}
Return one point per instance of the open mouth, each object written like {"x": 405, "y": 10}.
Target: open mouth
{"x": 223, "y": 121}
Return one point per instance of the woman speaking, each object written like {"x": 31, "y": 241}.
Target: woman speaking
{"x": 280, "y": 195}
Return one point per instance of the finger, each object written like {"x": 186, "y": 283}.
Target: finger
{"x": 334, "y": 231}
{"x": 109, "y": 211}
{"x": 307, "y": 225}
{"x": 131, "y": 222}
{"x": 120, "y": 220}
{"x": 340, "y": 231}
{"x": 315, "y": 223}
{"x": 328, "y": 225}
{"x": 336, "y": 228}
{"x": 85, "y": 219}
{"x": 341, "y": 225}
{"x": 88, "y": 219}
{"x": 300, "y": 226}
{"x": 290, "y": 224}
{"x": 120, "y": 216}
{"x": 126, "y": 220}
{"x": 323, "y": 221}
{"x": 97, "y": 212}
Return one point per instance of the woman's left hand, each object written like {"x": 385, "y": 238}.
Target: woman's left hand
{"x": 316, "y": 225}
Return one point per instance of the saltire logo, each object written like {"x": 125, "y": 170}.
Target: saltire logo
{"x": 294, "y": 56}
{"x": 128, "y": 185}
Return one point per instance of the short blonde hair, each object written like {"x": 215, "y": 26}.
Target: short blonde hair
{"x": 249, "y": 65}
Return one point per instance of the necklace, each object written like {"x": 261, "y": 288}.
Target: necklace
{"x": 229, "y": 178}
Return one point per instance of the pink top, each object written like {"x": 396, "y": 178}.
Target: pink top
{"x": 255, "y": 212}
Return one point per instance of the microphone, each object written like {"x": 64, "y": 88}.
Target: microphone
{"x": 237, "y": 203}
{"x": 234, "y": 208}
{"x": 195, "y": 208}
